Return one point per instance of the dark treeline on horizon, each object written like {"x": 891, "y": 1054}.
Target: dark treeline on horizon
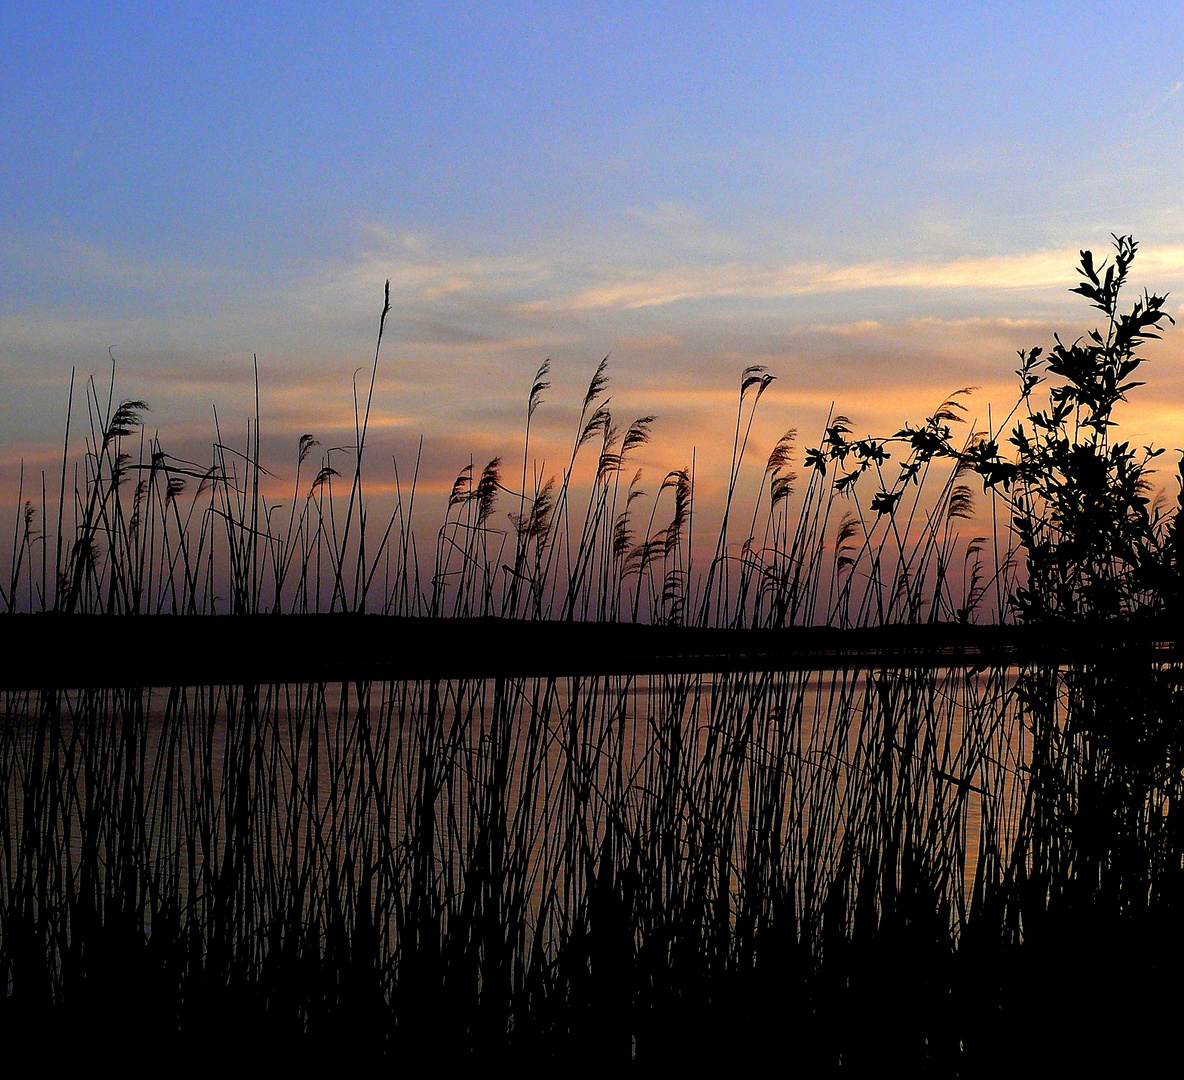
{"x": 174, "y": 650}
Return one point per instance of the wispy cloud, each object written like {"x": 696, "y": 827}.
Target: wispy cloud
{"x": 680, "y": 227}
{"x": 632, "y": 289}
{"x": 421, "y": 273}
{"x": 468, "y": 330}
{"x": 858, "y": 328}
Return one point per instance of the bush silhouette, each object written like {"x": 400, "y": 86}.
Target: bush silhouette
{"x": 1094, "y": 543}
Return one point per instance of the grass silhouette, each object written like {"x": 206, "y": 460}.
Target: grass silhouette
{"x": 952, "y": 865}
{"x": 146, "y": 532}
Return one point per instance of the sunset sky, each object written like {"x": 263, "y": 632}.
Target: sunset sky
{"x": 881, "y": 207}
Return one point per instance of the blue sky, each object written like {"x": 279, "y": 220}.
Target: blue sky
{"x": 881, "y": 206}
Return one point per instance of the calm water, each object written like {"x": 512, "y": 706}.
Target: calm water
{"x": 298, "y": 785}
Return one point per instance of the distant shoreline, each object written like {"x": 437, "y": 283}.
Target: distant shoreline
{"x": 73, "y": 651}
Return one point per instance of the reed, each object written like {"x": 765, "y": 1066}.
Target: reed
{"x": 144, "y": 531}
{"x": 667, "y": 868}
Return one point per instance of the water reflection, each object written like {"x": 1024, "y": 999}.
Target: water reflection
{"x": 295, "y": 804}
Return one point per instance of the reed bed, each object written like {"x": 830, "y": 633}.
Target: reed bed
{"x": 833, "y": 867}
{"x": 623, "y": 866}
{"x": 496, "y": 865}
{"x": 133, "y": 529}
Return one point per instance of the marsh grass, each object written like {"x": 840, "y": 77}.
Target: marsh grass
{"x": 521, "y": 863}
{"x": 135, "y": 529}
{"x": 828, "y": 866}
{"x": 540, "y": 866}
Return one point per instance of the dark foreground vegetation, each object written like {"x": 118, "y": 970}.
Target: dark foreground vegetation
{"x": 966, "y": 866}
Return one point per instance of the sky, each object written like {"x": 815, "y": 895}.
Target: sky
{"x": 879, "y": 203}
